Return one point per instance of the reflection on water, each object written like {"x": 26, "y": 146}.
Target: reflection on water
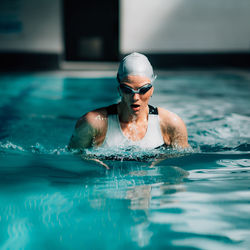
{"x": 138, "y": 203}
{"x": 132, "y": 202}
{"x": 115, "y": 200}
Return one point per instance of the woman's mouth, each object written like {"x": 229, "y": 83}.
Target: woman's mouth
{"x": 135, "y": 107}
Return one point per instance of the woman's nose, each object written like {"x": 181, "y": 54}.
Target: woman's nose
{"x": 135, "y": 97}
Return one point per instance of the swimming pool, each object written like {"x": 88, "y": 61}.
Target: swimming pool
{"x": 54, "y": 199}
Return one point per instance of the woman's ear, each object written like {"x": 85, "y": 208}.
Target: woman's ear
{"x": 152, "y": 91}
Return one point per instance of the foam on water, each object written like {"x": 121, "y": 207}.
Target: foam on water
{"x": 123, "y": 153}
{"x": 116, "y": 154}
{"x": 38, "y": 148}
{"x": 135, "y": 154}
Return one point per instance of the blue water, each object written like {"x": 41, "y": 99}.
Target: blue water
{"x": 54, "y": 199}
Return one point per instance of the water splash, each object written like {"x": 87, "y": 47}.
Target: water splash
{"x": 11, "y": 147}
{"x": 38, "y": 148}
{"x": 123, "y": 153}
{"x": 134, "y": 153}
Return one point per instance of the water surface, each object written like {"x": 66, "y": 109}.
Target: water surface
{"x": 54, "y": 199}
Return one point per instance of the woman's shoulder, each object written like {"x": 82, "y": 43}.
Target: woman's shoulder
{"x": 170, "y": 121}
{"x": 173, "y": 127}
{"x": 169, "y": 117}
{"x": 94, "y": 118}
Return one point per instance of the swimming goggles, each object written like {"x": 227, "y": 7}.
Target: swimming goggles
{"x": 142, "y": 90}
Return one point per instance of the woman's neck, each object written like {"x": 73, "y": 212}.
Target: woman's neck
{"x": 127, "y": 117}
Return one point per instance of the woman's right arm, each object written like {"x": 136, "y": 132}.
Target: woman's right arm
{"x": 83, "y": 134}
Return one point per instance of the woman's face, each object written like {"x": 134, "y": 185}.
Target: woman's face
{"x": 136, "y": 102}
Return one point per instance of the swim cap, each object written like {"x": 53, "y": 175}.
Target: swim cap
{"x": 135, "y": 64}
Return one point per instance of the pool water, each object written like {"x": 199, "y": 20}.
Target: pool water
{"x": 51, "y": 198}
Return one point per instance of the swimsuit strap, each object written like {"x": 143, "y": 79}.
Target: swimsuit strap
{"x": 153, "y": 110}
{"x": 112, "y": 110}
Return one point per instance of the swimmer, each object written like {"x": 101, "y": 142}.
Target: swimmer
{"x": 132, "y": 121}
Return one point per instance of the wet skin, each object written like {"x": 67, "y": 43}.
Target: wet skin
{"x": 133, "y": 108}
{"x": 90, "y": 130}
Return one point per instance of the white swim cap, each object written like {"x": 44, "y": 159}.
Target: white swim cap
{"x": 135, "y": 64}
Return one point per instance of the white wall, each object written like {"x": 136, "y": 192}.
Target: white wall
{"x": 152, "y": 26}
{"x": 184, "y": 26}
{"x": 40, "y": 21}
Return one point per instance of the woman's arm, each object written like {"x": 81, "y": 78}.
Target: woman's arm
{"x": 173, "y": 129}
